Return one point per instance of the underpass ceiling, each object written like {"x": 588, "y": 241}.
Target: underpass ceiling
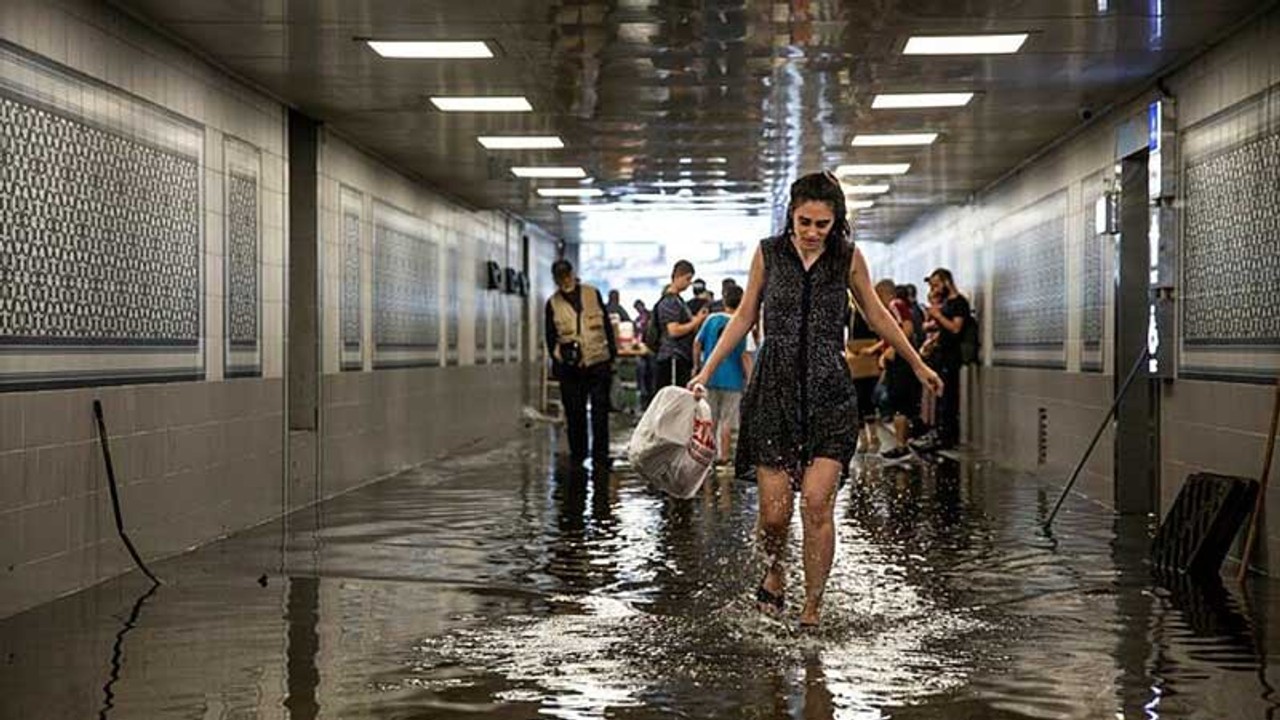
{"x": 751, "y": 93}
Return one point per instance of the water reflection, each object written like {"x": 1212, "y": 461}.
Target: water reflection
{"x": 117, "y": 652}
{"x": 498, "y": 585}
{"x": 304, "y": 644}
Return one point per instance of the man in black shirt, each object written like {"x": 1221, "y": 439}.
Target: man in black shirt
{"x": 950, "y": 319}
{"x": 582, "y": 347}
{"x": 673, "y": 364}
{"x": 699, "y": 299}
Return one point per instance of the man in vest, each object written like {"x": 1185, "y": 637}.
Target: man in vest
{"x": 582, "y": 347}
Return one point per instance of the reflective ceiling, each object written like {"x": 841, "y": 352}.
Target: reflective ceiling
{"x": 706, "y": 98}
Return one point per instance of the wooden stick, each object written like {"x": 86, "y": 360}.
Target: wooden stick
{"x": 1261, "y": 503}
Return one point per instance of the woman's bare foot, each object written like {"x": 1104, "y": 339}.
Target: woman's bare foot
{"x": 809, "y": 617}
{"x": 770, "y": 596}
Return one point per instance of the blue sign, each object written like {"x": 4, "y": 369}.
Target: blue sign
{"x": 1153, "y": 126}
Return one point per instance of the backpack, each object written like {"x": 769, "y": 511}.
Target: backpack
{"x": 653, "y": 329}
{"x": 970, "y": 341}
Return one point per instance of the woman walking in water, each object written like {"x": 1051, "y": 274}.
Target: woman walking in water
{"x": 798, "y": 417}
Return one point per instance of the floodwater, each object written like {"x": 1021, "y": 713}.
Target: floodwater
{"x": 493, "y": 585}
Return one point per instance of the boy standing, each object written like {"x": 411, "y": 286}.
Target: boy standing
{"x": 724, "y": 390}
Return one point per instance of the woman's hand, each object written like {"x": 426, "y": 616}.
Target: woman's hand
{"x": 929, "y": 379}
{"x": 698, "y": 384}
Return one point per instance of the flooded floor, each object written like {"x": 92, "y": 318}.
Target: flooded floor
{"x": 493, "y": 585}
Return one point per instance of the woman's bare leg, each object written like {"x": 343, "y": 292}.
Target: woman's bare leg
{"x": 774, "y": 520}
{"x": 817, "y": 511}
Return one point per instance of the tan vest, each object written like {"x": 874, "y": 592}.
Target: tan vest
{"x": 588, "y": 330}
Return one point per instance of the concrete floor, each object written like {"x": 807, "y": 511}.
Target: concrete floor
{"x": 493, "y": 585}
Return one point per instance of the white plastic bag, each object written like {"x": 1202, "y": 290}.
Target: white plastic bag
{"x": 673, "y": 447}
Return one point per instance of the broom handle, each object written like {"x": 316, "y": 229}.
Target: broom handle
{"x": 1261, "y": 502}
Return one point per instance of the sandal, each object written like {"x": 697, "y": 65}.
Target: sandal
{"x": 769, "y": 602}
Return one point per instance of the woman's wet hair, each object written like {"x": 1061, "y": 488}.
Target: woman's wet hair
{"x": 822, "y": 187}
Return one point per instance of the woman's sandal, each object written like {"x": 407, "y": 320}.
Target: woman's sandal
{"x": 769, "y": 602}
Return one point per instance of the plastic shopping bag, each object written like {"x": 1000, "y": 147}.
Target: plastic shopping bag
{"x": 673, "y": 447}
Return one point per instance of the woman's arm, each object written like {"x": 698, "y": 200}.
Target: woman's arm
{"x": 741, "y": 323}
{"x": 885, "y": 326}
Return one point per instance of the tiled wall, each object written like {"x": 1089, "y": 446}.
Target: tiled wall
{"x": 179, "y": 174}
{"x": 177, "y": 307}
{"x": 1214, "y": 416}
{"x": 420, "y": 357}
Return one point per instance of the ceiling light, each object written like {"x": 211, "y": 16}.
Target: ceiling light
{"x": 874, "y": 169}
{"x": 860, "y": 204}
{"x": 586, "y": 208}
{"x": 865, "y": 189}
{"x": 920, "y": 100}
{"x": 717, "y": 160}
{"x": 482, "y": 104}
{"x": 965, "y": 44}
{"x": 549, "y": 172}
{"x": 521, "y": 142}
{"x": 569, "y": 192}
{"x": 894, "y": 139}
{"x": 432, "y": 49}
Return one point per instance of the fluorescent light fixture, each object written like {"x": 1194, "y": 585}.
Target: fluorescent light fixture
{"x": 889, "y": 101}
{"x": 662, "y": 207}
{"x": 892, "y": 139}
{"x": 874, "y": 169}
{"x": 482, "y": 104}
{"x": 717, "y": 160}
{"x": 431, "y": 49}
{"x": 521, "y": 142}
{"x": 549, "y": 172}
{"x": 860, "y": 204}
{"x": 565, "y": 192}
{"x": 965, "y": 44}
{"x": 866, "y": 189}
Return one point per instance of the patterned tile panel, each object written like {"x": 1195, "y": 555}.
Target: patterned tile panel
{"x": 243, "y": 265}
{"x": 100, "y": 241}
{"x": 1231, "y": 246}
{"x": 242, "y": 258}
{"x": 483, "y": 309}
{"x": 453, "y": 312}
{"x": 513, "y": 327}
{"x": 101, "y": 234}
{"x": 1093, "y": 245}
{"x": 1029, "y": 284}
{"x": 351, "y": 310}
{"x": 406, "y": 306}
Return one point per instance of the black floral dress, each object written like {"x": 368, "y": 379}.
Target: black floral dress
{"x": 800, "y": 403}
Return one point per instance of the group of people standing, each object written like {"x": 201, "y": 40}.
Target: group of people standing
{"x": 798, "y": 408}
{"x": 887, "y": 387}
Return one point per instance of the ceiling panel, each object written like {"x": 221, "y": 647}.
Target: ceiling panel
{"x": 776, "y": 88}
